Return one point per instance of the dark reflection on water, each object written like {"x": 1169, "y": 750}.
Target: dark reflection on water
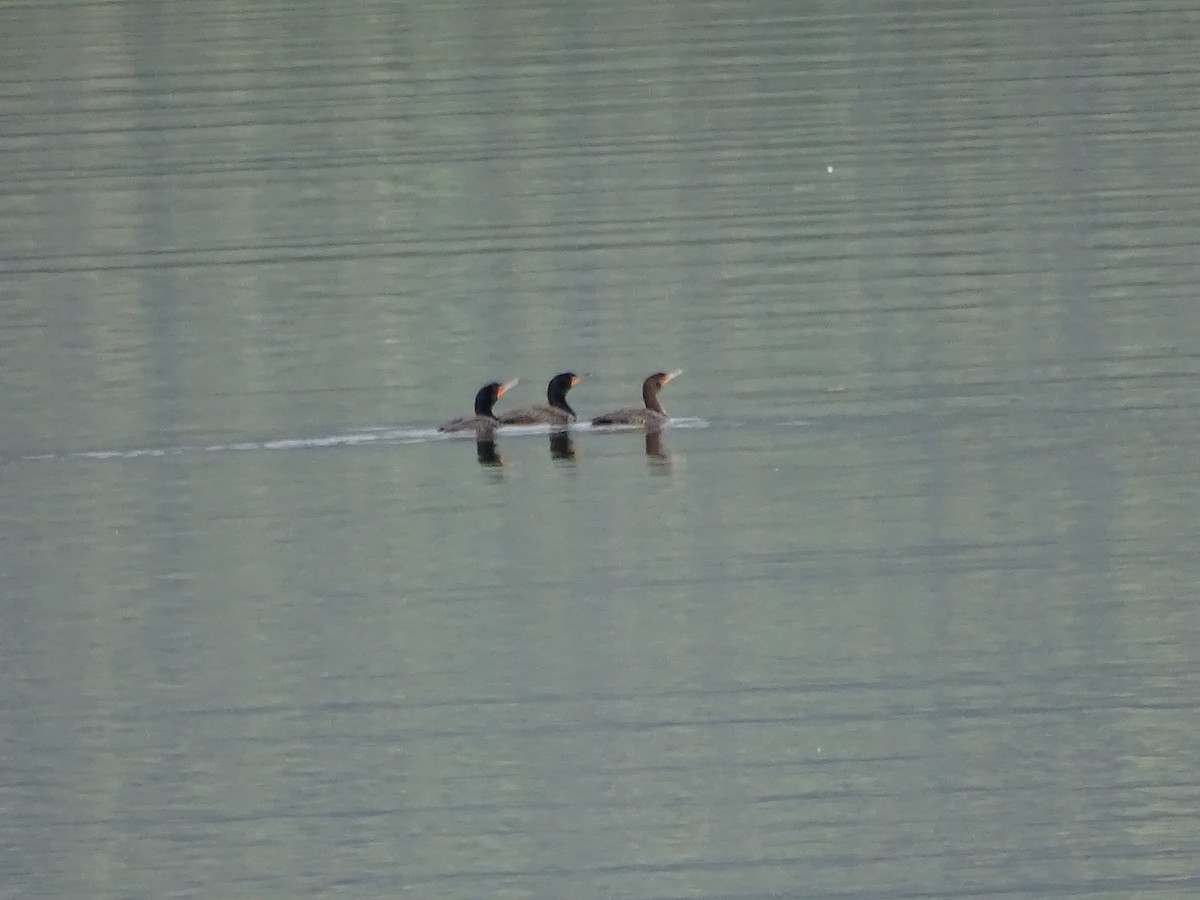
{"x": 915, "y": 615}
{"x": 486, "y": 452}
{"x": 562, "y": 446}
{"x": 655, "y": 449}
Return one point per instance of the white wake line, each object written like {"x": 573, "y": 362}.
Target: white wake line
{"x": 366, "y": 437}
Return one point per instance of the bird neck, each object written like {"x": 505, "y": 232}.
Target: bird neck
{"x": 558, "y": 399}
{"x": 483, "y": 406}
{"x": 650, "y": 398}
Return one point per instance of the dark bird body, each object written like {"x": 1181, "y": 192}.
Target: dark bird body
{"x": 556, "y": 410}
{"x": 651, "y": 413}
{"x": 484, "y": 421}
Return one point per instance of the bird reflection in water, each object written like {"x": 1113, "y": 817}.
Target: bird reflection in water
{"x": 485, "y": 448}
{"x": 561, "y": 445}
{"x": 655, "y": 451}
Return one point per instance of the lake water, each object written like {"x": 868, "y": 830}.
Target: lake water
{"x": 902, "y": 605}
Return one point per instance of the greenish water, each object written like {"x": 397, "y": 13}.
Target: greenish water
{"x": 902, "y": 605}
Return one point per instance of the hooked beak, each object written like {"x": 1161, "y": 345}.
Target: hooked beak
{"x": 506, "y": 387}
{"x": 672, "y": 375}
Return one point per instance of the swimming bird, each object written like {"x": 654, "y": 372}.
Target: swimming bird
{"x": 484, "y": 419}
{"x": 650, "y": 414}
{"x": 556, "y": 411}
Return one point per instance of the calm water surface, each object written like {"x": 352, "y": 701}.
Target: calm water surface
{"x": 904, "y": 605}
